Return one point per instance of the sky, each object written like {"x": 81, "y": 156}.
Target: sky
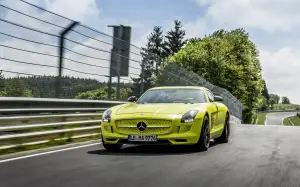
{"x": 273, "y": 25}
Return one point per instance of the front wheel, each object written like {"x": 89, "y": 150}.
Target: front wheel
{"x": 111, "y": 147}
{"x": 204, "y": 139}
{"x": 224, "y": 138}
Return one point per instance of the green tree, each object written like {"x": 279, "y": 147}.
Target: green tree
{"x": 265, "y": 91}
{"x": 15, "y": 87}
{"x": 175, "y": 39}
{"x": 152, "y": 57}
{"x": 275, "y": 98}
{"x": 102, "y": 94}
{"x": 229, "y": 60}
{"x": 263, "y": 103}
{"x": 272, "y": 102}
{"x": 285, "y": 100}
{"x": 3, "y": 93}
{"x": 43, "y": 86}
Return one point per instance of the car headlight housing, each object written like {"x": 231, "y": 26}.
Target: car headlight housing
{"x": 107, "y": 116}
{"x": 189, "y": 116}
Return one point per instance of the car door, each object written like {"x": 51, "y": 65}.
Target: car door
{"x": 213, "y": 110}
{"x": 221, "y": 113}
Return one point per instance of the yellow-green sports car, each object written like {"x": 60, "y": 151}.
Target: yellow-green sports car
{"x": 182, "y": 115}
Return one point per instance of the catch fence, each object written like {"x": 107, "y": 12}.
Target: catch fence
{"x": 52, "y": 56}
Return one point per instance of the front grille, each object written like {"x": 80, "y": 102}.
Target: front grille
{"x": 154, "y": 126}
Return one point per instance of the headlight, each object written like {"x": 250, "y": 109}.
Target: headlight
{"x": 107, "y": 116}
{"x": 189, "y": 116}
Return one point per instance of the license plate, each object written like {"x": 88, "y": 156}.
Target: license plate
{"x": 142, "y": 138}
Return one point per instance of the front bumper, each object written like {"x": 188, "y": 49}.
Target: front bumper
{"x": 178, "y": 133}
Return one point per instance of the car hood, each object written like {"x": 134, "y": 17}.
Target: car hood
{"x": 172, "y": 108}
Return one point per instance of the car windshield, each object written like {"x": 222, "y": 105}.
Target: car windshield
{"x": 173, "y": 96}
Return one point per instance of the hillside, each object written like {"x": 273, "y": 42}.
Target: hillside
{"x": 44, "y": 87}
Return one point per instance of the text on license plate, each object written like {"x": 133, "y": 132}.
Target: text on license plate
{"x": 145, "y": 138}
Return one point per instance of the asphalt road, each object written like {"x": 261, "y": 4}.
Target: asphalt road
{"x": 256, "y": 156}
{"x": 277, "y": 117}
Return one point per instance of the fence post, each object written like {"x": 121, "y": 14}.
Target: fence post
{"x": 119, "y": 63}
{"x": 61, "y": 53}
{"x": 109, "y": 86}
{"x": 142, "y": 79}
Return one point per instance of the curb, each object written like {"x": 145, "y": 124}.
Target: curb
{"x": 36, "y": 151}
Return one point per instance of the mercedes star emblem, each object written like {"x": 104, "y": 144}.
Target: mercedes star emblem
{"x": 141, "y": 126}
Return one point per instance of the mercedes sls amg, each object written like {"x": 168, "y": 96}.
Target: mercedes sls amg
{"x": 185, "y": 115}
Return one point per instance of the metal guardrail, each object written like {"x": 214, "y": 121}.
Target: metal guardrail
{"x": 33, "y": 121}
{"x": 43, "y": 128}
{"x": 40, "y": 121}
{"x": 20, "y": 102}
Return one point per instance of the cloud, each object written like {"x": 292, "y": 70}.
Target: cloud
{"x": 274, "y": 25}
{"x": 268, "y": 15}
{"x": 196, "y": 28}
{"x": 84, "y": 11}
{"x": 80, "y": 11}
{"x": 281, "y": 72}
{"x": 273, "y": 18}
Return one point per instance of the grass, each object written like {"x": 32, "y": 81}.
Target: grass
{"x": 55, "y": 128}
{"x": 286, "y": 122}
{"x": 295, "y": 120}
{"x": 261, "y": 118}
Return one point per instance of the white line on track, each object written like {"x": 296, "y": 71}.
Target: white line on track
{"x": 265, "y": 122}
{"x": 49, "y": 152}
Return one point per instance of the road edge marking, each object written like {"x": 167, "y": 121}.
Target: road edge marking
{"x": 48, "y": 152}
{"x": 265, "y": 122}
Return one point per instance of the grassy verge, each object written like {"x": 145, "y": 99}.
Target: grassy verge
{"x": 261, "y": 118}
{"x": 286, "y": 107}
{"x": 295, "y": 120}
{"x": 51, "y": 143}
{"x": 286, "y": 122}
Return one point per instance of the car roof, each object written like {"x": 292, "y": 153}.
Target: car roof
{"x": 178, "y": 87}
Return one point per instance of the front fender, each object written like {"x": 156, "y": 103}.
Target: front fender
{"x": 200, "y": 115}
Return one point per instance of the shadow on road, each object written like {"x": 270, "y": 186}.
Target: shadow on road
{"x": 150, "y": 150}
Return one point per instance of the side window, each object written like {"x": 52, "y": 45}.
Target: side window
{"x": 210, "y": 96}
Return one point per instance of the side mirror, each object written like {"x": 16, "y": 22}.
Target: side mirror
{"x": 132, "y": 99}
{"x": 218, "y": 98}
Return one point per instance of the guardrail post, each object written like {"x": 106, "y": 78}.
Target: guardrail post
{"x": 61, "y": 53}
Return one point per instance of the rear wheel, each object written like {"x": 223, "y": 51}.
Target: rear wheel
{"x": 224, "y": 138}
{"x": 204, "y": 139}
{"x": 111, "y": 147}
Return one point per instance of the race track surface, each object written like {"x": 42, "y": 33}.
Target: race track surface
{"x": 266, "y": 156}
{"x": 277, "y": 117}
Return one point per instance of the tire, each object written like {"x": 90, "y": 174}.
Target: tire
{"x": 111, "y": 147}
{"x": 224, "y": 138}
{"x": 204, "y": 139}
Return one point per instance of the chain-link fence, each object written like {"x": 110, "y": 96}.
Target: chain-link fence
{"x": 35, "y": 63}
{"x": 173, "y": 75}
